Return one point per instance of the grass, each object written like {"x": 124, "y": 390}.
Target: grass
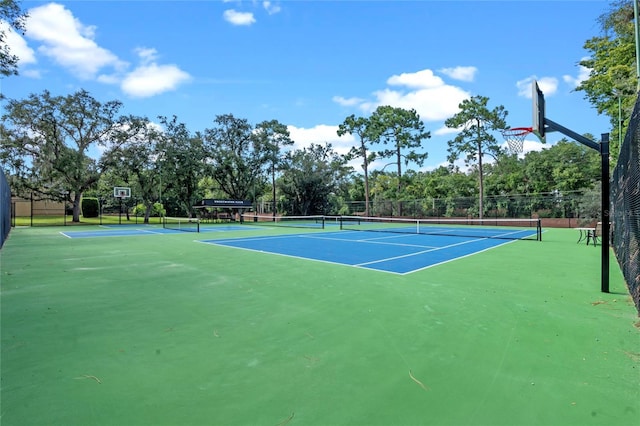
{"x": 160, "y": 330}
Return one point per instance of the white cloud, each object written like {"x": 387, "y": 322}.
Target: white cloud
{"x": 71, "y": 44}
{"x": 320, "y": 134}
{"x": 68, "y": 42}
{"x": 238, "y": 18}
{"x": 444, "y": 130}
{"x": 434, "y": 104}
{"x": 460, "y": 73}
{"x": 548, "y": 85}
{"x": 147, "y": 55}
{"x": 347, "y": 102}
{"x": 151, "y": 79}
{"x": 17, "y": 45}
{"x": 583, "y": 74}
{"x": 31, "y": 73}
{"x": 420, "y": 79}
{"x": 428, "y": 94}
{"x": 271, "y": 8}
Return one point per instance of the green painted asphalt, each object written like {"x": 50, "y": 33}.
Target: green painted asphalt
{"x": 162, "y": 330}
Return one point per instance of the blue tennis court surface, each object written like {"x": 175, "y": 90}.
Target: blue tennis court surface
{"x": 395, "y": 253}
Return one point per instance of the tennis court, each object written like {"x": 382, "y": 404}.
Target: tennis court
{"x": 160, "y": 329}
{"x": 397, "y": 253}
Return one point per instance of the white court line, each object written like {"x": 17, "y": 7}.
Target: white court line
{"x": 459, "y": 257}
{"x": 421, "y": 252}
{"x": 280, "y": 254}
{"x": 368, "y": 241}
{"x": 151, "y": 232}
{"x": 275, "y": 237}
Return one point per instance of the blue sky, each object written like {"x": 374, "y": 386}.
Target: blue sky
{"x": 310, "y": 64}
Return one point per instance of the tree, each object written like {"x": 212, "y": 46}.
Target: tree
{"x": 236, "y": 156}
{"x": 14, "y": 18}
{"x": 361, "y": 127}
{"x": 401, "y": 130}
{"x": 566, "y": 166}
{"x": 442, "y": 189}
{"x": 135, "y": 161}
{"x": 506, "y": 176}
{"x": 181, "y": 163}
{"x": 475, "y": 140}
{"x": 48, "y": 140}
{"x": 309, "y": 178}
{"x": 272, "y": 136}
{"x": 613, "y": 83}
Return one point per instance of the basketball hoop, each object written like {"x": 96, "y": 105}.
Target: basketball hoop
{"x": 515, "y": 138}
{"x": 121, "y": 192}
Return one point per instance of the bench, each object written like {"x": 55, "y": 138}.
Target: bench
{"x": 590, "y": 234}
{"x": 595, "y": 234}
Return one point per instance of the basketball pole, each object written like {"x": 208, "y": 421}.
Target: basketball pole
{"x": 604, "y": 156}
{"x": 603, "y": 149}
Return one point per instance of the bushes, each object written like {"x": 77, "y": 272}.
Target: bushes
{"x": 90, "y": 207}
{"x": 156, "y": 210}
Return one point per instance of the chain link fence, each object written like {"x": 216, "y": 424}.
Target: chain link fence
{"x": 625, "y": 203}
{"x": 5, "y": 209}
{"x": 580, "y": 207}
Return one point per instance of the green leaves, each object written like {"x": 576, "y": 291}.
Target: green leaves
{"x": 48, "y": 139}
{"x": 402, "y": 130}
{"x": 10, "y": 13}
{"x": 612, "y": 84}
{"x": 475, "y": 139}
{"x": 311, "y": 176}
{"x": 476, "y": 124}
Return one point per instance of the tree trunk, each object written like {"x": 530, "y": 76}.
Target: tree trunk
{"x": 481, "y": 189}
{"x": 147, "y": 213}
{"x": 399, "y": 181}
{"x": 365, "y": 166}
{"x": 76, "y": 207}
{"x": 273, "y": 183}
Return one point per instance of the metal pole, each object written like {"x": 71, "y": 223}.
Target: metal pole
{"x": 636, "y": 28}
{"x": 603, "y": 149}
{"x": 273, "y": 183}
{"x": 604, "y": 155}
{"x": 619, "y": 123}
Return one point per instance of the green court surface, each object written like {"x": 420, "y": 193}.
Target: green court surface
{"x": 162, "y": 330}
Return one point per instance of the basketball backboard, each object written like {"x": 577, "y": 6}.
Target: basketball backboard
{"x": 538, "y": 111}
{"x": 121, "y": 192}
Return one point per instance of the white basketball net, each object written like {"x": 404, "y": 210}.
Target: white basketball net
{"x": 515, "y": 138}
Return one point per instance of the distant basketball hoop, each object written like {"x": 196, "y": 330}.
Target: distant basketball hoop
{"x": 515, "y": 138}
{"x": 121, "y": 192}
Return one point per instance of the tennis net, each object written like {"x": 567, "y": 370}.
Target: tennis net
{"x": 510, "y": 229}
{"x": 186, "y": 224}
{"x": 314, "y": 221}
